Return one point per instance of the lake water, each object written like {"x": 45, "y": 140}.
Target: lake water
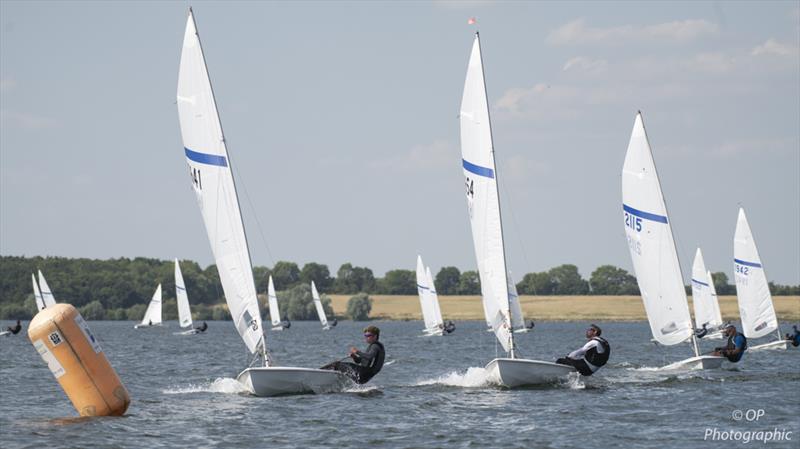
{"x": 432, "y": 393}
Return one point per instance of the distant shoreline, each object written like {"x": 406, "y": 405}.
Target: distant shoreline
{"x": 548, "y": 308}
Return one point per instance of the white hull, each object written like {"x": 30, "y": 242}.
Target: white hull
{"x": 522, "y": 331}
{"x": 5, "y": 333}
{"x": 278, "y": 328}
{"x": 697, "y": 363}
{"x": 774, "y": 345}
{"x": 145, "y": 326}
{"x": 432, "y": 333}
{"x": 187, "y": 332}
{"x": 513, "y": 373}
{"x": 273, "y": 381}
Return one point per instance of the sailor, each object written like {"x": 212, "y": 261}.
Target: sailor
{"x": 368, "y": 363}
{"x": 700, "y": 333}
{"x": 150, "y": 323}
{"x": 450, "y": 326}
{"x": 593, "y": 355}
{"x": 333, "y": 323}
{"x": 530, "y": 325}
{"x": 15, "y": 329}
{"x": 794, "y": 339}
{"x": 286, "y": 323}
{"x": 202, "y": 327}
{"x": 737, "y": 344}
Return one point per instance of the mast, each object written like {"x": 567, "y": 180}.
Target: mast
{"x": 505, "y": 303}
{"x": 263, "y": 340}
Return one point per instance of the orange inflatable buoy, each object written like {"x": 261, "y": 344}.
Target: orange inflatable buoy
{"x": 63, "y": 339}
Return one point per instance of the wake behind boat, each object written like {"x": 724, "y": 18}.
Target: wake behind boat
{"x": 483, "y": 203}
{"x": 652, "y": 249}
{"x": 213, "y": 184}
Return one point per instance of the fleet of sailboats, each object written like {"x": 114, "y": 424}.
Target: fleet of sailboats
{"x": 213, "y": 184}
{"x": 483, "y": 205}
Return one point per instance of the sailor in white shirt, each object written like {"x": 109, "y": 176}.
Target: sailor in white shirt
{"x": 591, "y": 356}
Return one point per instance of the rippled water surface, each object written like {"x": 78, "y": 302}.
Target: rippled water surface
{"x": 432, "y": 393}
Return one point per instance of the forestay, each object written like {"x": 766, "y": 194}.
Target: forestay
{"x": 152, "y": 315}
{"x": 212, "y": 181}
{"x": 483, "y": 203}
{"x": 272, "y": 301}
{"x": 651, "y": 244}
{"x": 48, "y": 299}
{"x": 318, "y": 305}
{"x": 752, "y": 290}
{"x": 184, "y": 312}
{"x": 706, "y": 308}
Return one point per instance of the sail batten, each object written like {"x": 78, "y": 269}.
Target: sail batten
{"x": 213, "y": 184}
{"x": 651, "y": 244}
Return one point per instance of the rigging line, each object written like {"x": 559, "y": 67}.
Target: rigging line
{"x": 517, "y": 232}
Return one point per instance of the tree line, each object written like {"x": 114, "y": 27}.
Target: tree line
{"x": 122, "y": 287}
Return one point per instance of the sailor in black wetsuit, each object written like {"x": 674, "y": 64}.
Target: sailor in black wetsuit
{"x": 368, "y": 363}
{"x": 450, "y": 327}
{"x": 700, "y": 333}
{"x": 202, "y": 328}
{"x": 593, "y": 355}
{"x": 794, "y": 338}
{"x": 15, "y": 330}
{"x": 333, "y": 323}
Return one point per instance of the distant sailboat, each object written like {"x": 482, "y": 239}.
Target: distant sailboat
{"x": 652, "y": 249}
{"x": 213, "y": 184}
{"x": 752, "y": 290}
{"x": 704, "y": 298}
{"x": 47, "y": 295}
{"x": 320, "y": 310}
{"x": 274, "y": 311}
{"x": 517, "y": 318}
{"x": 37, "y": 294}
{"x": 152, "y": 316}
{"x": 182, "y": 297}
{"x": 428, "y": 301}
{"x": 483, "y": 204}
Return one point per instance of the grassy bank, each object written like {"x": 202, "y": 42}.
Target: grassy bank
{"x": 556, "y": 308}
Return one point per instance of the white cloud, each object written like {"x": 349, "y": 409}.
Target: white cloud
{"x": 25, "y": 120}
{"x": 577, "y": 32}
{"x": 775, "y": 48}
{"x": 582, "y": 64}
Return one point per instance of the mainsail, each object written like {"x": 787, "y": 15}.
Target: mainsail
{"x": 184, "y": 312}
{"x": 318, "y": 305}
{"x": 437, "y": 311}
{"x": 212, "y": 181}
{"x": 47, "y": 295}
{"x": 752, "y": 289}
{"x": 651, "y": 244}
{"x": 37, "y": 295}
{"x": 272, "y": 301}
{"x": 704, "y": 298}
{"x": 483, "y": 202}
{"x": 425, "y": 297}
{"x": 517, "y": 319}
{"x": 152, "y": 315}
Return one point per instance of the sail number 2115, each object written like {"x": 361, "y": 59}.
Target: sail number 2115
{"x": 470, "y": 185}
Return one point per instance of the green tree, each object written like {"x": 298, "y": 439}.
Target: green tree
{"x": 537, "y": 284}
{"x": 169, "y": 309}
{"x": 285, "y": 275}
{"x": 447, "y": 280}
{"x": 610, "y": 280}
{"x": 568, "y": 281}
{"x": 721, "y": 285}
{"x": 350, "y": 279}
{"x": 93, "y": 311}
{"x": 318, "y": 273}
{"x": 469, "y": 283}
{"x": 136, "y": 312}
{"x": 398, "y": 282}
{"x": 297, "y": 304}
{"x": 359, "y": 306}
{"x": 261, "y": 277}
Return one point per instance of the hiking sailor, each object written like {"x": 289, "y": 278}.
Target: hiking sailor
{"x": 592, "y": 356}
{"x": 368, "y": 363}
{"x": 737, "y": 344}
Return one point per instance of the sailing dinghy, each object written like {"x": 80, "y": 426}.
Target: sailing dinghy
{"x": 652, "y": 248}
{"x": 152, "y": 316}
{"x": 213, "y": 184}
{"x": 483, "y": 204}
{"x": 428, "y": 301}
{"x": 182, "y": 297}
{"x": 752, "y": 289}
{"x": 704, "y": 298}
{"x": 323, "y": 320}
{"x": 274, "y": 311}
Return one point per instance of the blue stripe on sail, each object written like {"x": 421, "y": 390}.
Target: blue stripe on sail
{"x": 205, "y": 158}
{"x": 477, "y": 169}
{"x": 746, "y": 263}
{"x": 422, "y": 287}
{"x": 180, "y": 288}
{"x": 645, "y": 215}
{"x": 699, "y": 282}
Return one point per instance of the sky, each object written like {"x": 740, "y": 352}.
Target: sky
{"x": 341, "y": 120}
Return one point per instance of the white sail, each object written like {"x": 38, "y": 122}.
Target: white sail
{"x": 212, "y": 181}
{"x": 437, "y": 311}
{"x": 717, "y": 314}
{"x": 272, "y": 301}
{"x": 37, "y": 295}
{"x": 651, "y": 244}
{"x": 483, "y": 203}
{"x": 752, "y": 290}
{"x": 517, "y": 319}
{"x": 706, "y": 309}
{"x": 425, "y": 297}
{"x": 184, "y": 312}
{"x": 318, "y": 305}
{"x": 152, "y": 315}
{"x": 47, "y": 295}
